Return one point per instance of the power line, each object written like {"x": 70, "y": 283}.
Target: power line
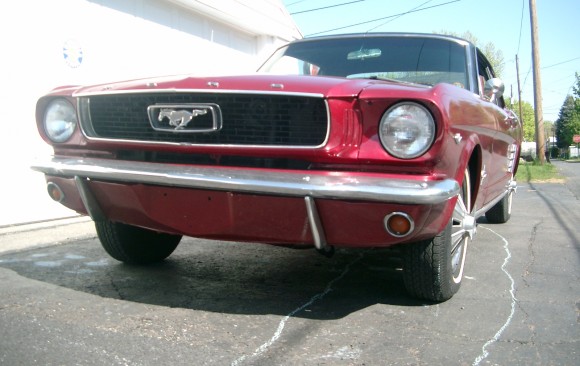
{"x": 393, "y": 19}
{"x": 383, "y": 18}
{"x": 296, "y": 2}
{"x": 326, "y": 7}
{"x": 528, "y": 74}
{"x": 560, "y": 63}
{"x": 521, "y": 25}
{"x": 564, "y": 78}
{"x": 546, "y": 67}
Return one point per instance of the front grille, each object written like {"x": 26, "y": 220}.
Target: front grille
{"x": 248, "y": 119}
{"x": 212, "y": 160}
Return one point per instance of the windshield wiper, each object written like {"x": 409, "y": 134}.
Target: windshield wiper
{"x": 376, "y": 77}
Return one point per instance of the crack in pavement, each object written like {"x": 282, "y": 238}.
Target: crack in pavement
{"x": 531, "y": 252}
{"x": 514, "y": 301}
{"x": 264, "y": 347}
{"x": 526, "y": 273}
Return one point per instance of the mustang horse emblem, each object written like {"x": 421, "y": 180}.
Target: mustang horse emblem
{"x": 179, "y": 118}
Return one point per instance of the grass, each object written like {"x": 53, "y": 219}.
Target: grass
{"x": 535, "y": 172}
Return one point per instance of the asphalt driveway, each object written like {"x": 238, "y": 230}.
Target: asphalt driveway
{"x": 65, "y": 302}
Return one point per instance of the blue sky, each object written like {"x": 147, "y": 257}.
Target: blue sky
{"x": 497, "y": 21}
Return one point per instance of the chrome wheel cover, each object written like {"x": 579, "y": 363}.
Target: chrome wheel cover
{"x": 464, "y": 227}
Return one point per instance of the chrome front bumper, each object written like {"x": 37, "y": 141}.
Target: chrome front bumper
{"x": 308, "y": 185}
{"x": 314, "y": 184}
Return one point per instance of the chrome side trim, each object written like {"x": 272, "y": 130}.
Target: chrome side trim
{"x": 91, "y": 204}
{"x": 315, "y": 224}
{"x": 316, "y": 184}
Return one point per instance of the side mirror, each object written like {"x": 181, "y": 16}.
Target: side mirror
{"x": 493, "y": 89}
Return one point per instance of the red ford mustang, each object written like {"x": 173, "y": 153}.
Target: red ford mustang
{"x": 369, "y": 140}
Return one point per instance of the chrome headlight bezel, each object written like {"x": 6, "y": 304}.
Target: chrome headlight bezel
{"x": 60, "y": 120}
{"x": 407, "y": 130}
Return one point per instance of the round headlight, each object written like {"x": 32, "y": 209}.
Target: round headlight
{"x": 60, "y": 120}
{"x": 407, "y": 130}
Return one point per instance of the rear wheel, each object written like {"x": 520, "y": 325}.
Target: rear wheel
{"x": 433, "y": 269}
{"x": 501, "y": 212}
{"x": 135, "y": 245}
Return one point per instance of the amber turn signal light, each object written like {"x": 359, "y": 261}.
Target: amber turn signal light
{"x": 55, "y": 192}
{"x": 399, "y": 224}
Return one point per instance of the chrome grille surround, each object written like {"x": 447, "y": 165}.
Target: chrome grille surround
{"x": 250, "y": 119}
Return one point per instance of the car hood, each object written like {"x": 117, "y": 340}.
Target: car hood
{"x": 260, "y": 83}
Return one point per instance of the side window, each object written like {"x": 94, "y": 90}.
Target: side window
{"x": 485, "y": 72}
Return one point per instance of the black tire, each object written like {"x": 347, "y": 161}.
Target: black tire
{"x": 433, "y": 269}
{"x": 501, "y": 212}
{"x": 135, "y": 245}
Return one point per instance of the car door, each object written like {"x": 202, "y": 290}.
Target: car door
{"x": 499, "y": 168}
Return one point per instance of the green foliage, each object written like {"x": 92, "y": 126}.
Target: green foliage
{"x": 493, "y": 55}
{"x": 568, "y": 122}
{"x": 549, "y": 129}
{"x": 576, "y": 89}
{"x": 527, "y": 117}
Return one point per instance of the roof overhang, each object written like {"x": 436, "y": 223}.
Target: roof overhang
{"x": 266, "y": 17}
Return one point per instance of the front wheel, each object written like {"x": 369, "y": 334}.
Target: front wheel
{"x": 135, "y": 245}
{"x": 433, "y": 269}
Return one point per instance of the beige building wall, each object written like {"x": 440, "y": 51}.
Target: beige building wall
{"x": 45, "y": 44}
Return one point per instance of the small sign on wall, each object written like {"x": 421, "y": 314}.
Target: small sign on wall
{"x": 73, "y": 53}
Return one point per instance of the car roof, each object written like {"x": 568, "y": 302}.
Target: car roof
{"x": 385, "y": 34}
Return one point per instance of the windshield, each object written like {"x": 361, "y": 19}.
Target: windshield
{"x": 423, "y": 60}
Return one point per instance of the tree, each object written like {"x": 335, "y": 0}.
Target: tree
{"x": 548, "y": 128}
{"x": 568, "y": 122}
{"x": 576, "y": 89}
{"x": 527, "y": 118}
{"x": 493, "y": 55}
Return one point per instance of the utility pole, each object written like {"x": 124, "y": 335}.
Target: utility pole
{"x": 538, "y": 112}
